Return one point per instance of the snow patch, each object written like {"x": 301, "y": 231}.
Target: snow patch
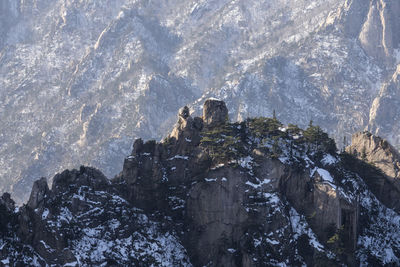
{"x": 47, "y": 247}
{"x": 45, "y": 214}
{"x": 260, "y": 184}
{"x": 300, "y": 226}
{"x": 231, "y": 250}
{"x": 272, "y": 198}
{"x": 325, "y": 175}
{"x": 272, "y": 242}
{"x": 329, "y": 160}
{"x": 214, "y": 99}
{"x": 218, "y": 166}
{"x": 246, "y": 162}
{"x": 179, "y": 157}
{"x": 72, "y": 264}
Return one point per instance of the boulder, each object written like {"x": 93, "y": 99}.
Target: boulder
{"x": 214, "y": 112}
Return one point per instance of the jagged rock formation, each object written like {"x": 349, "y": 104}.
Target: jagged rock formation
{"x": 75, "y": 74}
{"x": 214, "y": 113}
{"x": 378, "y": 152}
{"x": 82, "y": 221}
{"x": 213, "y": 193}
{"x": 385, "y": 110}
{"x": 378, "y": 35}
{"x": 40, "y": 191}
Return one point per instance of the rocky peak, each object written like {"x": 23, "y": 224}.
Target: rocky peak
{"x": 377, "y": 151}
{"x": 385, "y": 109}
{"x": 40, "y": 191}
{"x": 378, "y": 32}
{"x": 85, "y": 176}
{"x": 186, "y": 125}
{"x": 184, "y": 112}
{"x": 254, "y": 193}
{"x": 214, "y": 112}
{"x": 186, "y": 133}
{"x": 193, "y": 181}
{"x": 7, "y": 202}
{"x": 383, "y": 162}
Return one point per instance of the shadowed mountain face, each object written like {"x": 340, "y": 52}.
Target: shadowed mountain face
{"x": 80, "y": 79}
{"x": 215, "y": 193}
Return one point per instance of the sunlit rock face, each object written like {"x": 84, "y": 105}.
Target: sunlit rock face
{"x": 81, "y": 79}
{"x": 378, "y": 35}
{"x": 384, "y": 114}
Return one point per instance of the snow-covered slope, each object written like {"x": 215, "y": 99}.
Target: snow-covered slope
{"x": 80, "y": 79}
{"x": 83, "y": 225}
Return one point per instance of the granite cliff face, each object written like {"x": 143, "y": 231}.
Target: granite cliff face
{"x": 76, "y": 74}
{"x": 378, "y": 152}
{"x": 384, "y": 181}
{"x": 385, "y": 112}
{"x": 214, "y": 193}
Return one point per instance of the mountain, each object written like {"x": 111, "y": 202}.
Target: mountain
{"x": 81, "y": 79}
{"x": 215, "y": 193}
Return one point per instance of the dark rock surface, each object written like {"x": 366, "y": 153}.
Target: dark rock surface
{"x": 40, "y": 191}
{"x": 214, "y": 113}
{"x": 255, "y": 193}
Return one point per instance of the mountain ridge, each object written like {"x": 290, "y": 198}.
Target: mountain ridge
{"x": 319, "y": 60}
{"x": 214, "y": 193}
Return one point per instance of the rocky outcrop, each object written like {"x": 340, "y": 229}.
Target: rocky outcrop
{"x": 385, "y": 109}
{"x": 84, "y": 221}
{"x": 323, "y": 204}
{"x": 40, "y": 191}
{"x": 380, "y": 154}
{"x": 214, "y": 113}
{"x": 7, "y": 202}
{"x": 378, "y": 35}
{"x": 186, "y": 133}
{"x": 221, "y": 204}
{"x": 86, "y": 176}
{"x": 254, "y": 193}
{"x": 373, "y": 23}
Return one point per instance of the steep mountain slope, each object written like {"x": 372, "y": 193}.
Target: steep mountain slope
{"x": 213, "y": 193}
{"x": 75, "y": 74}
{"x": 384, "y": 114}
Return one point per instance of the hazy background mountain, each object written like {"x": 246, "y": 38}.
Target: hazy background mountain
{"x": 80, "y": 79}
